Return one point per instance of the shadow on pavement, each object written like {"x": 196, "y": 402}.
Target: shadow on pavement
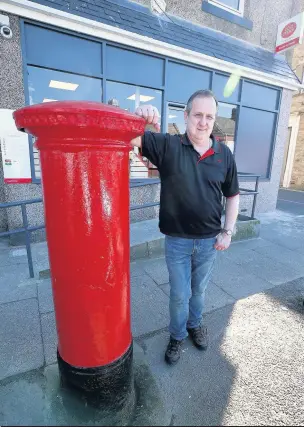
{"x": 290, "y": 295}
{"x": 197, "y": 389}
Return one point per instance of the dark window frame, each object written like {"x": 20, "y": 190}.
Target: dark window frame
{"x": 226, "y": 14}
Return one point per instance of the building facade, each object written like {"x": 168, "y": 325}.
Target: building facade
{"x": 128, "y": 53}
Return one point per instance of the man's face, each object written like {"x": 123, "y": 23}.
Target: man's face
{"x": 200, "y": 120}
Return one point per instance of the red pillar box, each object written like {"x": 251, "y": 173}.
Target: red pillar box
{"x": 84, "y": 154}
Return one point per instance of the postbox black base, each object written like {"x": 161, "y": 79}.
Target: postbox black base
{"x": 107, "y": 387}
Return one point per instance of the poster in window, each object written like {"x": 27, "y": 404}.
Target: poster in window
{"x": 14, "y": 150}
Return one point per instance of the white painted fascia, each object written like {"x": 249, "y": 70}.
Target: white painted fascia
{"x": 58, "y": 18}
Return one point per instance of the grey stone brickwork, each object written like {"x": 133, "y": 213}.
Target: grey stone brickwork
{"x": 12, "y": 97}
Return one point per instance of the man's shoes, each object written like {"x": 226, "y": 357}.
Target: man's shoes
{"x": 173, "y": 351}
{"x": 199, "y": 337}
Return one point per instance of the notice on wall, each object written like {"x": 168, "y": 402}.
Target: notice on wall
{"x": 15, "y": 151}
{"x": 290, "y": 33}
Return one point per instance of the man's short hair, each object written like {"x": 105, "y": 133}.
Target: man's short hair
{"x": 200, "y": 94}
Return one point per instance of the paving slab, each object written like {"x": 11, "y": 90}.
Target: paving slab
{"x": 215, "y": 297}
{"x": 13, "y": 290}
{"x": 45, "y": 296}
{"x": 49, "y": 337}
{"x": 235, "y": 279}
{"x": 292, "y": 242}
{"x": 290, "y": 258}
{"x": 20, "y": 337}
{"x": 247, "y": 244}
{"x": 136, "y": 268}
{"x": 13, "y": 257}
{"x": 157, "y": 270}
{"x": 149, "y": 306}
{"x": 283, "y": 229}
{"x": 140, "y": 231}
{"x": 266, "y": 268}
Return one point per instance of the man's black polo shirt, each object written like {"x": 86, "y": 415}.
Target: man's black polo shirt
{"x": 191, "y": 185}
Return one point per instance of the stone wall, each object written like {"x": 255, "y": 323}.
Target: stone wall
{"x": 12, "y": 97}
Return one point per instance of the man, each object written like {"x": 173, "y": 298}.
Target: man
{"x": 195, "y": 171}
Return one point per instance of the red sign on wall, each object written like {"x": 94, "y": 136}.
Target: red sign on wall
{"x": 288, "y": 30}
{"x": 290, "y": 33}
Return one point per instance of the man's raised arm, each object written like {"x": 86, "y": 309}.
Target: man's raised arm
{"x": 151, "y": 115}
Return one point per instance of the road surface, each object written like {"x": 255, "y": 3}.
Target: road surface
{"x": 291, "y": 201}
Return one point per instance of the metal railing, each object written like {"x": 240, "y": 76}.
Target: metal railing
{"x": 248, "y": 192}
{"x": 27, "y": 229}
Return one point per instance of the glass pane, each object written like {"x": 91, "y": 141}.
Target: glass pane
{"x": 234, "y": 4}
{"x": 177, "y": 90}
{"x": 47, "y": 85}
{"x": 257, "y": 96}
{"x": 52, "y": 49}
{"x": 134, "y": 67}
{"x": 255, "y": 141}
{"x": 218, "y": 86}
{"x": 129, "y": 97}
{"x": 224, "y": 127}
{"x": 176, "y": 121}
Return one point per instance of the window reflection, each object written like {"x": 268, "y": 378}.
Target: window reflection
{"x": 224, "y": 127}
{"x": 48, "y": 85}
{"x": 176, "y": 120}
{"x": 130, "y": 97}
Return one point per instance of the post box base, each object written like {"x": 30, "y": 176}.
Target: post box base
{"x": 105, "y": 387}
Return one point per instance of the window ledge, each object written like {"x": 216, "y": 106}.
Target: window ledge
{"x": 227, "y": 16}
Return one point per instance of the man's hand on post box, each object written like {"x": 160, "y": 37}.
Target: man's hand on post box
{"x": 151, "y": 115}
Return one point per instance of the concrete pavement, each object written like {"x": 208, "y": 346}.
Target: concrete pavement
{"x": 252, "y": 374}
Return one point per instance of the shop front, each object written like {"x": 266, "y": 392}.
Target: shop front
{"x": 67, "y": 57}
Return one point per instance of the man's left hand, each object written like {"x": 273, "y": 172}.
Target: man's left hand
{"x": 223, "y": 242}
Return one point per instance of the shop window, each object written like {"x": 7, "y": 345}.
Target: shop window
{"x": 218, "y": 85}
{"x": 134, "y": 67}
{"x": 52, "y": 49}
{"x": 183, "y": 81}
{"x": 254, "y": 147}
{"x": 176, "y": 120}
{"x": 47, "y": 85}
{"x": 129, "y": 97}
{"x": 258, "y": 96}
{"x": 224, "y": 127}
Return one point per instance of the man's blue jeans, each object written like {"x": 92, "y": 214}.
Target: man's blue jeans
{"x": 190, "y": 264}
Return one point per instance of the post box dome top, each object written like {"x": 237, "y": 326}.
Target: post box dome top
{"x": 79, "y": 120}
